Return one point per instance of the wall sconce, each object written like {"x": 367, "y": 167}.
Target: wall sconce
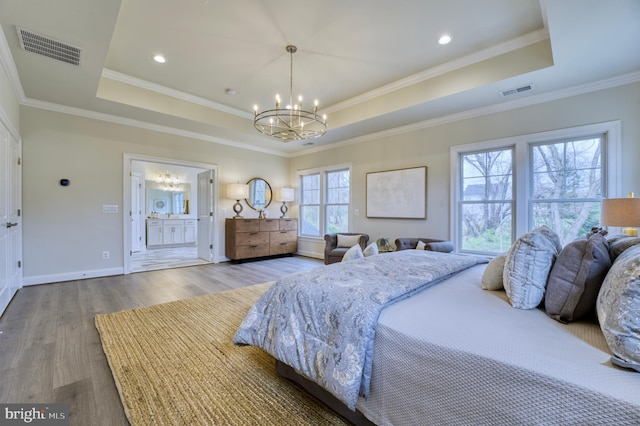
{"x": 284, "y": 195}
{"x": 622, "y": 212}
{"x": 237, "y": 191}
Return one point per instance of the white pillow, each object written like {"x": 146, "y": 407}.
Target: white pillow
{"x": 492, "y": 276}
{"x": 421, "y": 245}
{"x": 353, "y": 253}
{"x": 348, "y": 240}
{"x": 370, "y": 250}
{"x": 527, "y": 267}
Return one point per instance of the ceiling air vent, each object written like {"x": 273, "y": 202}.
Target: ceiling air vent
{"x": 517, "y": 90}
{"x": 45, "y": 46}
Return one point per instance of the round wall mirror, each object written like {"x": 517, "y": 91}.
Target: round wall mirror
{"x": 259, "y": 194}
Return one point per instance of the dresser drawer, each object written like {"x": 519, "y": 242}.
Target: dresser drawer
{"x": 283, "y": 247}
{"x": 258, "y": 250}
{"x": 288, "y": 224}
{"x": 269, "y": 224}
{"x": 251, "y": 238}
{"x": 283, "y": 236}
{"x": 246, "y": 225}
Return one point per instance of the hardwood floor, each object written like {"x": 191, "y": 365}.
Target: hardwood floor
{"x": 50, "y": 351}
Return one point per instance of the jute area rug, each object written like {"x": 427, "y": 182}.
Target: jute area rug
{"x": 175, "y": 364}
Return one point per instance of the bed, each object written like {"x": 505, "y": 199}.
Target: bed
{"x": 452, "y": 353}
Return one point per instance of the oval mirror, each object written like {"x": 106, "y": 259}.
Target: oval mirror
{"x": 259, "y": 194}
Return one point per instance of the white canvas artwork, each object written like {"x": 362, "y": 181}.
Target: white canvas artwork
{"x": 400, "y": 194}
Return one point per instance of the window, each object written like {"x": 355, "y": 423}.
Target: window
{"x": 507, "y": 187}
{"x": 310, "y": 205}
{"x": 324, "y": 201}
{"x": 486, "y": 200}
{"x": 337, "y": 205}
{"x": 567, "y": 186}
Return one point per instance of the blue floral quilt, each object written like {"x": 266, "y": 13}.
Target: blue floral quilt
{"x": 322, "y": 322}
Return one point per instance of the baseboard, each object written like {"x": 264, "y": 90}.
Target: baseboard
{"x": 71, "y": 276}
{"x": 313, "y": 254}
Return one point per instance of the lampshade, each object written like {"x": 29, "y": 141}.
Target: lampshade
{"x": 284, "y": 194}
{"x": 237, "y": 191}
{"x": 621, "y": 212}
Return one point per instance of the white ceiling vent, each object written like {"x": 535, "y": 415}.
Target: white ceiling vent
{"x": 517, "y": 90}
{"x": 45, "y": 46}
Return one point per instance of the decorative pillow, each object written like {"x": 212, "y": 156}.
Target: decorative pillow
{"x": 618, "y": 308}
{"x": 620, "y": 243}
{"x": 527, "y": 267}
{"x": 353, "y": 253}
{"x": 421, "y": 245}
{"x": 576, "y": 278}
{"x": 348, "y": 240}
{"x": 370, "y": 250}
{"x": 492, "y": 276}
{"x": 441, "y": 246}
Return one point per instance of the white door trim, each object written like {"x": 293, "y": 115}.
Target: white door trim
{"x": 126, "y": 200}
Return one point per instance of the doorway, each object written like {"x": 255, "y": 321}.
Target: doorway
{"x": 163, "y": 203}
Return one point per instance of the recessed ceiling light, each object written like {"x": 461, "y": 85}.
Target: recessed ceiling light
{"x": 445, "y": 39}
{"x": 159, "y": 58}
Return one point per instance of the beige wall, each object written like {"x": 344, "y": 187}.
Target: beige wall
{"x": 65, "y": 231}
{"x": 9, "y": 105}
{"x": 430, "y": 147}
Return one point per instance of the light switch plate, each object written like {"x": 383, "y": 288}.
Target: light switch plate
{"x": 109, "y": 208}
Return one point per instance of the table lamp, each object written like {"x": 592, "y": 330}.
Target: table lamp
{"x": 624, "y": 212}
{"x": 237, "y": 191}
{"x": 284, "y": 195}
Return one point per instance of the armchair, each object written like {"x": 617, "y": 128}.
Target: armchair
{"x": 333, "y": 252}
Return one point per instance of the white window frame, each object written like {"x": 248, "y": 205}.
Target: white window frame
{"x": 323, "y": 195}
{"x": 521, "y": 170}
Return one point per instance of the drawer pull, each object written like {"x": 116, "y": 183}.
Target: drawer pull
{"x": 253, "y": 246}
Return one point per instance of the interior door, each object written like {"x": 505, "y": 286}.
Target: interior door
{"x": 136, "y": 212}
{"x": 10, "y": 218}
{"x": 205, "y": 215}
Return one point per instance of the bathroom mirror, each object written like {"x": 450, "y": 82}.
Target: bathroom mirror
{"x": 259, "y": 194}
{"x": 159, "y": 200}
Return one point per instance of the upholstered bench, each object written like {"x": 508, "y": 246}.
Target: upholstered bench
{"x": 430, "y": 244}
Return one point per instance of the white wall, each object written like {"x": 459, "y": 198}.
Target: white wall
{"x": 65, "y": 231}
{"x": 430, "y": 147}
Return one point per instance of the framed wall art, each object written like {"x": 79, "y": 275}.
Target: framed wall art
{"x": 397, "y": 194}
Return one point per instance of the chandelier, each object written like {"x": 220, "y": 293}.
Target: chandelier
{"x": 291, "y": 122}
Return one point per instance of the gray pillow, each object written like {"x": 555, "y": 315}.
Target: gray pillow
{"x": 441, "y": 246}
{"x": 527, "y": 266}
{"x": 576, "y": 278}
{"x": 620, "y": 243}
{"x": 618, "y": 308}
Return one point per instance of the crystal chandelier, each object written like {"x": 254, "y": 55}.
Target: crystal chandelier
{"x": 291, "y": 122}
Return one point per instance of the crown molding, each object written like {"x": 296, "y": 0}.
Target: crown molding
{"x": 49, "y": 106}
{"x": 616, "y": 81}
{"x": 147, "y": 85}
{"x": 479, "y": 56}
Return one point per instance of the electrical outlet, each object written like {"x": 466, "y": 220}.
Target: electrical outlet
{"x": 106, "y": 254}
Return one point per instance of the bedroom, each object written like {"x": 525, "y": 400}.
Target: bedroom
{"x": 63, "y": 237}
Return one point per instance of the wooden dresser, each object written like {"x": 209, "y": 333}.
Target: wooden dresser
{"x": 249, "y": 238}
